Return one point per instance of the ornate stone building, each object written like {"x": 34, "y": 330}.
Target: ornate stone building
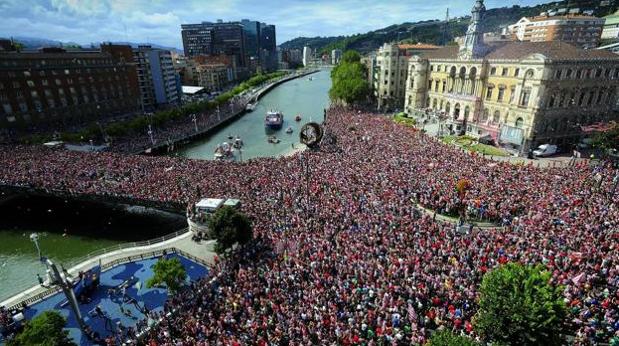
{"x": 519, "y": 93}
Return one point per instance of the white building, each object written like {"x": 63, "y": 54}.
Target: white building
{"x": 336, "y": 55}
{"x": 308, "y": 55}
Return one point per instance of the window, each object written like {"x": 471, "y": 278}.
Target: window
{"x": 512, "y": 94}
{"x": 444, "y": 85}
{"x": 7, "y": 108}
{"x": 496, "y": 117}
{"x": 558, "y": 74}
{"x": 578, "y": 74}
{"x": 47, "y": 92}
{"x": 15, "y": 85}
{"x": 27, "y": 74}
{"x": 493, "y": 71}
{"x": 501, "y": 94}
{"x": 44, "y": 82}
{"x": 485, "y": 115}
{"x": 519, "y": 123}
{"x": 516, "y": 72}
{"x": 23, "y": 106}
{"x": 66, "y": 71}
{"x": 524, "y": 100}
{"x": 568, "y": 74}
{"x": 58, "y": 82}
{"x": 30, "y": 83}
{"x": 489, "y": 92}
{"x": 436, "y": 86}
{"x": 504, "y": 71}
{"x": 34, "y": 94}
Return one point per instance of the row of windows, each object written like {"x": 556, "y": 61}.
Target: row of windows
{"x": 43, "y": 73}
{"x": 563, "y": 98}
{"x": 27, "y": 117}
{"x": 586, "y": 73}
{"x": 45, "y": 62}
{"x": 40, "y": 105}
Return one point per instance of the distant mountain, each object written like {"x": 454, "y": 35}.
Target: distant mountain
{"x": 436, "y": 32}
{"x": 314, "y": 42}
{"x": 35, "y": 42}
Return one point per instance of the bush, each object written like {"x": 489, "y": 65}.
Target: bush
{"x": 169, "y": 272}
{"x": 447, "y": 338}
{"x": 519, "y": 306}
{"x": 228, "y": 226}
{"x": 46, "y": 329}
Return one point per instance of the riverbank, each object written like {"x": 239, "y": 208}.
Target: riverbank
{"x": 195, "y": 133}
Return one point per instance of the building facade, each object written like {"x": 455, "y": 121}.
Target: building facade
{"x": 308, "y": 55}
{"x": 217, "y": 38}
{"x": 610, "y": 30}
{"x": 518, "y": 93}
{"x": 336, "y": 56}
{"x": 580, "y": 30}
{"x": 57, "y": 88}
{"x": 389, "y": 73}
{"x": 213, "y": 77}
{"x": 157, "y": 78}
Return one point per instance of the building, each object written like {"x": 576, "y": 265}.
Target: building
{"x": 610, "y": 30}
{"x": 252, "y": 37}
{"x": 213, "y": 77}
{"x": 268, "y": 47}
{"x": 217, "y": 38}
{"x": 308, "y": 55}
{"x": 581, "y": 30}
{"x": 157, "y": 79}
{"x": 518, "y": 93}
{"x": 55, "y": 88}
{"x": 390, "y": 73}
{"x": 336, "y": 55}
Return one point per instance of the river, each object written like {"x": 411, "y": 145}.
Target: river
{"x": 301, "y": 96}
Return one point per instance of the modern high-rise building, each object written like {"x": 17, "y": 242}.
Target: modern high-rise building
{"x": 252, "y": 37}
{"x": 268, "y": 47}
{"x": 220, "y": 38}
{"x": 156, "y": 77}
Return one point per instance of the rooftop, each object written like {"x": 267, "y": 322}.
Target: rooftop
{"x": 418, "y": 46}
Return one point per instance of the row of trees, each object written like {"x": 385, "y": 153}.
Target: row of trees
{"x": 349, "y": 80}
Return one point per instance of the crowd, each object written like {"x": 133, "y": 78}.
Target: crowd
{"x": 342, "y": 252}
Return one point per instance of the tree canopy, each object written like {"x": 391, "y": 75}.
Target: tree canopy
{"x": 46, "y": 329}
{"x": 447, "y": 338}
{"x": 349, "y": 82}
{"x": 519, "y": 306}
{"x": 607, "y": 140}
{"x": 169, "y": 272}
{"x": 229, "y": 226}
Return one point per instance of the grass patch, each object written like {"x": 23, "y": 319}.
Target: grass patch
{"x": 401, "y": 118}
{"x": 470, "y": 143}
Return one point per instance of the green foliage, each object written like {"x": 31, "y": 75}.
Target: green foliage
{"x": 47, "y": 329}
{"x": 519, "y": 306}
{"x": 401, "y": 118}
{"x": 447, "y": 338}
{"x": 607, "y": 140}
{"x": 169, "y": 272}
{"x": 349, "y": 82}
{"x": 228, "y": 226}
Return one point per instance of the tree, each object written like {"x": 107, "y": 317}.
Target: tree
{"x": 447, "y": 338}
{"x": 349, "y": 82}
{"x": 519, "y": 306}
{"x": 228, "y": 226}
{"x": 169, "y": 272}
{"x": 607, "y": 140}
{"x": 46, "y": 329}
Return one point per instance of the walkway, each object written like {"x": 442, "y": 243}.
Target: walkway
{"x": 202, "y": 251}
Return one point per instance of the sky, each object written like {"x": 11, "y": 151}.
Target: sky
{"x": 158, "y": 21}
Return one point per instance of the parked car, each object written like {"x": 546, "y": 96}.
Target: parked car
{"x": 545, "y": 150}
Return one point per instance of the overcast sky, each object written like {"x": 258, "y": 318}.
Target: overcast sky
{"x": 158, "y": 21}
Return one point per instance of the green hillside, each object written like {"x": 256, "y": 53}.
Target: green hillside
{"x": 432, "y": 31}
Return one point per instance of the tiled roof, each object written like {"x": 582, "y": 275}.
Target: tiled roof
{"x": 520, "y": 50}
{"x": 565, "y": 17}
{"x": 552, "y": 50}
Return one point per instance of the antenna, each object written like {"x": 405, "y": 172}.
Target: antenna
{"x": 445, "y": 28}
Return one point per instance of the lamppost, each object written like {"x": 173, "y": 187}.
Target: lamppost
{"x": 195, "y": 122}
{"x": 62, "y": 282}
{"x": 150, "y": 134}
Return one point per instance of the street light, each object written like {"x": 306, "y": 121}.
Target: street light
{"x": 58, "y": 280}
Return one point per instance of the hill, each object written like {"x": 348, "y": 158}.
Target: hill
{"x": 432, "y": 31}
{"x": 37, "y": 42}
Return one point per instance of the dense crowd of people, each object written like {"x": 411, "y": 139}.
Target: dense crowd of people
{"x": 343, "y": 253}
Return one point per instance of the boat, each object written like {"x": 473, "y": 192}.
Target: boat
{"x": 298, "y": 117}
{"x": 230, "y": 136}
{"x": 251, "y": 106}
{"x": 274, "y": 120}
{"x": 199, "y": 214}
{"x": 224, "y": 151}
{"x": 289, "y": 129}
{"x": 310, "y": 79}
{"x": 238, "y": 143}
{"x": 273, "y": 140}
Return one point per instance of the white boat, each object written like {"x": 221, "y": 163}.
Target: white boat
{"x": 289, "y": 129}
{"x": 273, "y": 140}
{"x": 251, "y": 106}
{"x": 238, "y": 143}
{"x": 224, "y": 151}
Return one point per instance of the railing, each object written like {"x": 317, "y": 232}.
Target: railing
{"x": 123, "y": 246}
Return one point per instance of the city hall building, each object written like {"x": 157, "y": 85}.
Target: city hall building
{"x": 518, "y": 93}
